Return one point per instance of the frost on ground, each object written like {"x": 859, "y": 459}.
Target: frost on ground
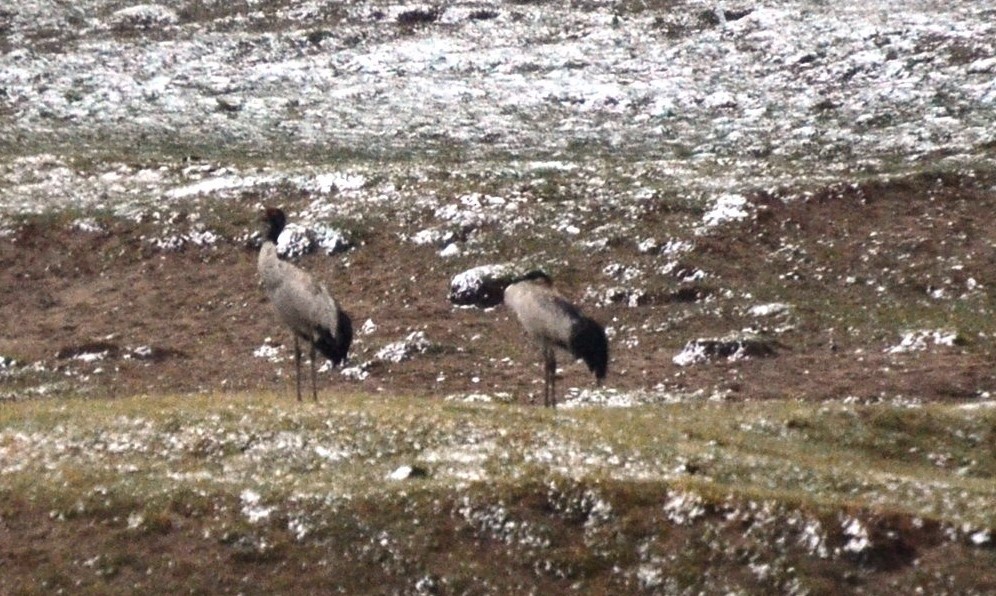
{"x": 633, "y": 486}
{"x": 920, "y": 340}
{"x": 415, "y": 342}
{"x": 629, "y": 100}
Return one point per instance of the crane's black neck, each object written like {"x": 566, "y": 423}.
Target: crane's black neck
{"x": 275, "y": 220}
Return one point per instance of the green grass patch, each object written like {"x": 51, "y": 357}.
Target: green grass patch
{"x": 142, "y": 447}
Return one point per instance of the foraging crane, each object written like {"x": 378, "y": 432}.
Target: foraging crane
{"x": 553, "y": 322}
{"x": 302, "y": 303}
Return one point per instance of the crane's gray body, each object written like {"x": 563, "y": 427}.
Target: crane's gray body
{"x": 545, "y": 315}
{"x": 554, "y": 323}
{"x": 303, "y": 304}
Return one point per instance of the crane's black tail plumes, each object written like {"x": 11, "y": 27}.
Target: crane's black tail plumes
{"x": 589, "y": 343}
{"x": 336, "y": 347}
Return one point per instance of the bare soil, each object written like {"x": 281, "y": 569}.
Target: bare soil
{"x": 859, "y": 265}
{"x": 856, "y": 264}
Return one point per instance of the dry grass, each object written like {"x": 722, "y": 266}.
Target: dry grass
{"x": 265, "y": 483}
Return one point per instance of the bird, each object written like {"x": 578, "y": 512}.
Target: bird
{"x": 553, "y": 322}
{"x": 302, "y": 303}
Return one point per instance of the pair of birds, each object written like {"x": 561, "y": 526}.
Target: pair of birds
{"x": 315, "y": 318}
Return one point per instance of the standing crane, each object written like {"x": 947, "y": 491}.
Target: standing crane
{"x": 553, "y": 322}
{"x": 302, "y": 303}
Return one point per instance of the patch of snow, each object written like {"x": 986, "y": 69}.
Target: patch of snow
{"x": 355, "y": 373}
{"x": 682, "y": 507}
{"x": 330, "y": 240}
{"x": 88, "y": 225}
{"x": 725, "y": 208}
{"x": 921, "y": 340}
{"x": 601, "y": 397}
{"x": 692, "y": 353}
{"x": 451, "y": 250}
{"x": 333, "y": 455}
{"x": 675, "y": 247}
{"x": 202, "y": 237}
{"x": 91, "y": 356}
{"x": 631, "y": 297}
{"x": 813, "y": 539}
{"x": 415, "y": 343}
{"x": 143, "y": 352}
{"x": 340, "y": 181}
{"x": 858, "y": 540}
{"x": 647, "y": 245}
{"x": 650, "y": 576}
{"x": 732, "y": 348}
{"x": 268, "y": 351}
{"x": 295, "y": 240}
{"x": 401, "y": 473}
{"x": 368, "y": 327}
{"x": 481, "y": 398}
{"x": 251, "y": 507}
{"x": 767, "y": 310}
{"x": 978, "y": 405}
{"x": 135, "y": 520}
{"x": 432, "y": 236}
{"x": 211, "y": 185}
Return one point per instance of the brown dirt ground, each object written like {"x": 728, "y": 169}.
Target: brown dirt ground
{"x": 203, "y": 313}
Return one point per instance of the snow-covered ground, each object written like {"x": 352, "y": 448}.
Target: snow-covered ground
{"x": 99, "y": 104}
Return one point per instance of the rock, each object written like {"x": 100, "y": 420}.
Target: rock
{"x": 690, "y": 293}
{"x": 229, "y": 104}
{"x": 331, "y": 240}
{"x": 702, "y": 350}
{"x": 483, "y": 286}
{"x": 419, "y": 16}
{"x": 143, "y": 17}
{"x": 89, "y": 351}
{"x": 406, "y": 472}
{"x": 769, "y": 310}
{"x": 713, "y": 17}
{"x": 451, "y": 250}
{"x": 297, "y": 240}
{"x": 483, "y": 14}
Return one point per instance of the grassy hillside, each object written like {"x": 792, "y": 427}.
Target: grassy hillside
{"x": 256, "y": 493}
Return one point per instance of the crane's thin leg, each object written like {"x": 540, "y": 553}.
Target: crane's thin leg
{"x": 314, "y": 375}
{"x": 297, "y": 365}
{"x": 549, "y": 381}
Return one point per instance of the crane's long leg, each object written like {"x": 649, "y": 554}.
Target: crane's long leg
{"x": 297, "y": 365}
{"x": 549, "y": 381}
{"x": 314, "y": 375}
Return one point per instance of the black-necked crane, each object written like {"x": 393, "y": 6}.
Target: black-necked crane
{"x": 554, "y": 323}
{"x": 302, "y": 303}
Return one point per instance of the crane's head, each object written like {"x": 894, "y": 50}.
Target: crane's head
{"x": 276, "y": 220}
